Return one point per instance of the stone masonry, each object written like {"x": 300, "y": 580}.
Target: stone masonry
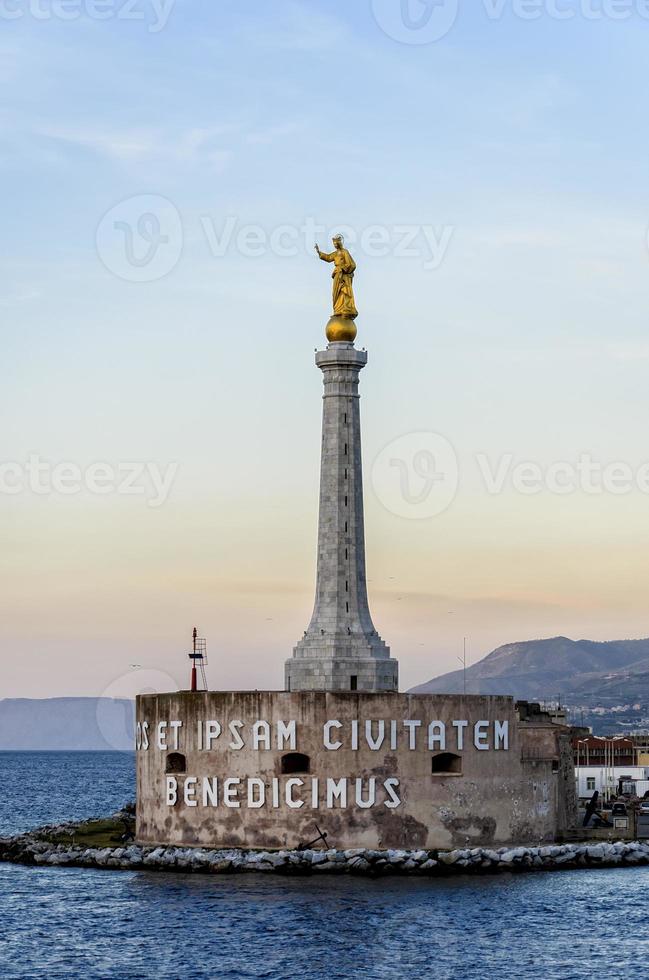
{"x": 271, "y": 769}
{"x": 341, "y": 650}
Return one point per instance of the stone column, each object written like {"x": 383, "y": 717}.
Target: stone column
{"x": 341, "y": 650}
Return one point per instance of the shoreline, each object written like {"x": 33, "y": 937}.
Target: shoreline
{"x": 97, "y": 844}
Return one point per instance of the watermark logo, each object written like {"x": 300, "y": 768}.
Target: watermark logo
{"x": 141, "y": 238}
{"x": 115, "y": 707}
{"x": 43, "y": 478}
{"x": 416, "y": 21}
{"x": 154, "y": 13}
{"x": 416, "y": 476}
{"x": 427, "y": 21}
{"x": 585, "y": 475}
{"x": 567, "y": 10}
{"x": 427, "y": 243}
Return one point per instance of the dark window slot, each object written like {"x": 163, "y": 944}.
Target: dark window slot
{"x": 295, "y": 762}
{"x": 176, "y": 762}
{"x": 447, "y": 762}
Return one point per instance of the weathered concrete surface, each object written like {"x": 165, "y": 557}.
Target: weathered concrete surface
{"x": 513, "y": 792}
{"x": 341, "y": 641}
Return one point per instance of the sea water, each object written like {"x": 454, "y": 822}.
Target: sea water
{"x": 69, "y": 923}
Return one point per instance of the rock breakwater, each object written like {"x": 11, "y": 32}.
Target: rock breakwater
{"x": 61, "y": 846}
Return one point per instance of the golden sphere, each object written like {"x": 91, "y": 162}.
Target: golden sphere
{"x": 341, "y": 329}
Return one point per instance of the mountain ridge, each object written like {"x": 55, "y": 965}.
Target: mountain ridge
{"x": 543, "y": 668}
{"x": 67, "y": 724}
{"x": 582, "y": 672}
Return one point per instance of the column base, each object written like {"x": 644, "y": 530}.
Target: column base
{"x": 365, "y": 674}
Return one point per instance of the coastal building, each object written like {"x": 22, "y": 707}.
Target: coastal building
{"x": 609, "y": 781}
{"x": 599, "y": 750}
{"x": 640, "y": 740}
{"x": 340, "y": 756}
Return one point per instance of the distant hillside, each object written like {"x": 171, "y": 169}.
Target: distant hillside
{"x": 543, "y": 669}
{"x": 90, "y": 724}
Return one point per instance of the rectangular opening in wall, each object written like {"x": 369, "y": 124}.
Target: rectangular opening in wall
{"x": 353, "y": 682}
{"x": 176, "y": 762}
{"x": 346, "y": 607}
{"x": 295, "y": 762}
{"x": 447, "y": 764}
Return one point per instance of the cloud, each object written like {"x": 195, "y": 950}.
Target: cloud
{"x": 272, "y": 134}
{"x": 18, "y": 297}
{"x": 629, "y": 351}
{"x": 197, "y": 146}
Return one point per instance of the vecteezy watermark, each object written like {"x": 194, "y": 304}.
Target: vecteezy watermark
{"x": 416, "y": 21}
{"x": 426, "y": 21}
{"x": 141, "y": 239}
{"x": 115, "y": 705}
{"x": 592, "y": 10}
{"x": 585, "y": 475}
{"x": 427, "y": 243}
{"x": 153, "y": 13}
{"x": 41, "y": 477}
{"x": 416, "y": 476}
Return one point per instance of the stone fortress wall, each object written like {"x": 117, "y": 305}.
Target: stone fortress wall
{"x": 270, "y": 770}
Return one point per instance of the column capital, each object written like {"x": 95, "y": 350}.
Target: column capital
{"x": 341, "y": 355}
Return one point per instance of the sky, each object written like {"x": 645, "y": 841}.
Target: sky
{"x": 166, "y": 169}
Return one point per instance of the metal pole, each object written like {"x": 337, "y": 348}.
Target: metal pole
{"x": 194, "y": 685}
{"x": 464, "y": 662}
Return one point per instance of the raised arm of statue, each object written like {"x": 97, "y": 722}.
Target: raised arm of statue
{"x": 327, "y": 256}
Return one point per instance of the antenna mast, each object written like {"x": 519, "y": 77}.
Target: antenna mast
{"x": 198, "y": 657}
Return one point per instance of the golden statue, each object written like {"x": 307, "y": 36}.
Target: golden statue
{"x": 341, "y": 326}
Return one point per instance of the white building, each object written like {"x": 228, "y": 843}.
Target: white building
{"x": 605, "y": 779}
